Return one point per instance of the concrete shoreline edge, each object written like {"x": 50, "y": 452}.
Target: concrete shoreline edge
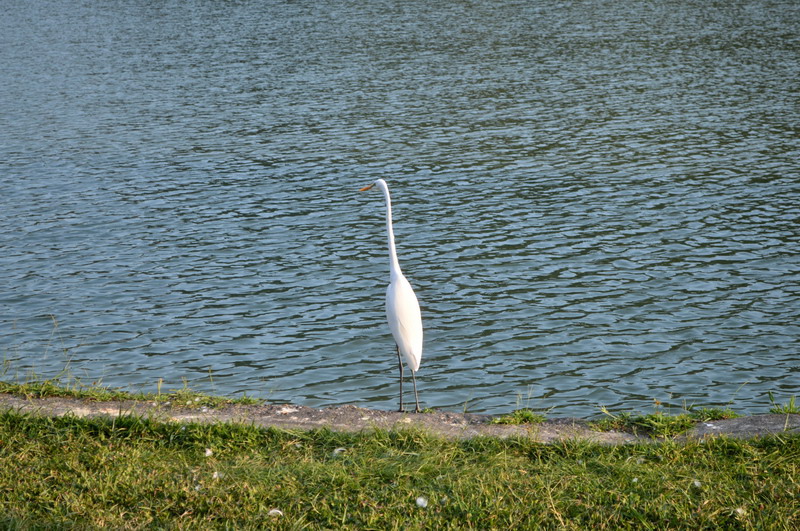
{"x": 355, "y": 419}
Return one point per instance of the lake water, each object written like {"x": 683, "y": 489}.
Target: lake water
{"x": 598, "y": 203}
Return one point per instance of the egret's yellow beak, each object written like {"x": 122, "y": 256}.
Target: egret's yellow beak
{"x": 367, "y": 187}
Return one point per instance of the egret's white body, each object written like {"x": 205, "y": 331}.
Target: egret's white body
{"x": 402, "y": 307}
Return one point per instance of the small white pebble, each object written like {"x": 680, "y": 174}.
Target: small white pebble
{"x": 215, "y": 475}
{"x": 275, "y": 512}
{"x": 741, "y": 511}
{"x": 696, "y": 483}
{"x": 635, "y": 480}
{"x": 197, "y": 399}
{"x": 338, "y": 451}
{"x": 209, "y": 452}
{"x": 422, "y": 501}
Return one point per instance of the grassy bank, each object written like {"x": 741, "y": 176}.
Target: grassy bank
{"x": 133, "y": 473}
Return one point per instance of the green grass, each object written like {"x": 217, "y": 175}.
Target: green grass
{"x": 133, "y": 473}
{"x": 520, "y": 416}
{"x": 787, "y": 408}
{"x": 660, "y": 424}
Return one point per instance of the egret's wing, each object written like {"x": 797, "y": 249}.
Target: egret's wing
{"x": 405, "y": 320}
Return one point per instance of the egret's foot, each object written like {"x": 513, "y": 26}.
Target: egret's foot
{"x": 417, "y": 410}
{"x": 401, "y": 410}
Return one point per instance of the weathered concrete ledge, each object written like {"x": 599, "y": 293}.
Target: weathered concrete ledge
{"x": 354, "y": 419}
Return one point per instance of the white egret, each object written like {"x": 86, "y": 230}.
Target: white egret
{"x": 402, "y": 307}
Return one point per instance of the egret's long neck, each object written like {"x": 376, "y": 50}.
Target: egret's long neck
{"x": 394, "y": 265}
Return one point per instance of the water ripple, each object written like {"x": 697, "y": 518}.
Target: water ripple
{"x": 596, "y": 202}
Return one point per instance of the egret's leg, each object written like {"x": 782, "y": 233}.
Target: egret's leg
{"x": 416, "y": 397}
{"x": 400, "y": 362}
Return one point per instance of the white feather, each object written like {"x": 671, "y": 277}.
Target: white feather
{"x": 405, "y": 320}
